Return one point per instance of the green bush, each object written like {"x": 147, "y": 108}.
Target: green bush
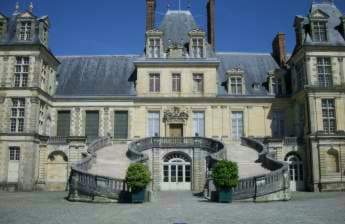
{"x": 225, "y": 174}
{"x": 138, "y": 176}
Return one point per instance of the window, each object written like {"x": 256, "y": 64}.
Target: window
{"x": 199, "y": 124}
{"x": 319, "y": 31}
{"x": 17, "y": 115}
{"x": 154, "y": 124}
{"x": 44, "y": 75}
{"x": 176, "y": 82}
{"x": 63, "y": 123}
{"x": 155, "y": 83}
{"x": 328, "y": 115}
{"x": 21, "y": 72}
{"x": 300, "y": 77}
{"x": 2, "y": 29}
{"x": 42, "y": 117}
{"x": 198, "y": 83}
{"x": 154, "y": 47}
{"x": 91, "y": 125}
{"x": 237, "y": 125}
{"x": 236, "y": 85}
{"x": 278, "y": 124}
{"x": 14, "y": 153}
{"x": 324, "y": 69}
{"x": 25, "y": 31}
{"x": 277, "y": 88}
{"x": 121, "y": 125}
{"x": 198, "y": 47}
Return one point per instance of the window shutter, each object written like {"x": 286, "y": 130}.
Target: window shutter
{"x": 121, "y": 125}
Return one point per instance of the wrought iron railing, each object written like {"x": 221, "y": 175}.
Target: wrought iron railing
{"x": 256, "y": 186}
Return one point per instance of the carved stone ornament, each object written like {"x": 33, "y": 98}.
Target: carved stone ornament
{"x": 175, "y": 115}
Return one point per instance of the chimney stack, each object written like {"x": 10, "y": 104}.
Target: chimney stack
{"x": 211, "y": 19}
{"x": 278, "y": 47}
{"x": 150, "y": 14}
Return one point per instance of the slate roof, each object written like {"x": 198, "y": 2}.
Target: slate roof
{"x": 96, "y": 76}
{"x": 255, "y": 66}
{"x": 113, "y": 75}
{"x": 334, "y": 38}
{"x": 11, "y": 37}
{"x": 175, "y": 26}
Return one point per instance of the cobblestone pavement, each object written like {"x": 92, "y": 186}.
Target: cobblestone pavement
{"x": 172, "y": 207}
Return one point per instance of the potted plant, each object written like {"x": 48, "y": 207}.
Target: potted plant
{"x": 137, "y": 178}
{"x": 225, "y": 177}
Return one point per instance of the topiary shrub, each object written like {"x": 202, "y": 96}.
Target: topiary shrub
{"x": 225, "y": 174}
{"x": 138, "y": 176}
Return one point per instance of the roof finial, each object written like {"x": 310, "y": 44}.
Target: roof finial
{"x": 31, "y": 7}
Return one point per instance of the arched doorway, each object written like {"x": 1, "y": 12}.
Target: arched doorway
{"x": 177, "y": 172}
{"x": 57, "y": 171}
{"x": 296, "y": 172}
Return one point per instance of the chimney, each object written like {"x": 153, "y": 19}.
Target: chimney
{"x": 150, "y": 14}
{"x": 278, "y": 47}
{"x": 211, "y": 18}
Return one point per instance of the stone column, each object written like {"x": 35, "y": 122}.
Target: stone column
{"x": 309, "y": 70}
{"x": 156, "y": 169}
{"x": 198, "y": 170}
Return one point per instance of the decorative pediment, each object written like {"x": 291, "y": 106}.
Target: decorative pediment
{"x": 318, "y": 14}
{"x": 154, "y": 32}
{"x": 26, "y": 15}
{"x": 197, "y": 32}
{"x": 176, "y": 115}
{"x": 235, "y": 72}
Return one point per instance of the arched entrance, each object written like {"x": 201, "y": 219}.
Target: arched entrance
{"x": 177, "y": 172}
{"x": 296, "y": 172}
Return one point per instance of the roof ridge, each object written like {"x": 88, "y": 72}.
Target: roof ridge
{"x": 90, "y": 56}
{"x": 244, "y": 53}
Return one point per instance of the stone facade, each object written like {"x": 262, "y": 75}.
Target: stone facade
{"x": 46, "y": 158}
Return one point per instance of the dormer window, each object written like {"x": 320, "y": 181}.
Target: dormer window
{"x": 319, "y": 29}
{"x": 154, "y": 48}
{"x": 198, "y": 48}
{"x": 236, "y": 81}
{"x": 2, "y": 29}
{"x": 277, "y": 86}
{"x": 25, "y": 31}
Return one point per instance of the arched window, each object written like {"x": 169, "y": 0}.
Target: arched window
{"x": 332, "y": 161}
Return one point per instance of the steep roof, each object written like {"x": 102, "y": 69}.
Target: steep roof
{"x": 255, "y": 66}
{"x": 96, "y": 76}
{"x": 175, "y": 26}
{"x": 114, "y": 75}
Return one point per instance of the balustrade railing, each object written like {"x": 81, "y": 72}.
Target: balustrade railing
{"x": 57, "y": 140}
{"x": 256, "y": 186}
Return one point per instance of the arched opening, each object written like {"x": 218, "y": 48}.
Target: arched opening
{"x": 177, "y": 172}
{"x": 57, "y": 171}
{"x": 296, "y": 172}
{"x": 332, "y": 161}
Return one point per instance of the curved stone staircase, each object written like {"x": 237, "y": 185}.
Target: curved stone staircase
{"x": 102, "y": 174}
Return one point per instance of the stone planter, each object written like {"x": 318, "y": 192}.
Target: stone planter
{"x": 138, "y": 196}
{"x": 225, "y": 196}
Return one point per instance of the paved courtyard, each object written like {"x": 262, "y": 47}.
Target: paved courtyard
{"x": 172, "y": 207}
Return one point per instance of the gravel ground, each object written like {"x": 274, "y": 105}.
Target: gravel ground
{"x": 172, "y": 207}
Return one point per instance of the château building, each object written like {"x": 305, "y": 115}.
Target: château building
{"x": 173, "y": 104}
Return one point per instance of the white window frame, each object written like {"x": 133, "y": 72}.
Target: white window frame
{"x": 324, "y": 70}
{"x": 21, "y": 72}
{"x": 198, "y": 47}
{"x": 236, "y": 85}
{"x": 154, "y": 45}
{"x": 237, "y": 124}
{"x": 17, "y": 119}
{"x": 154, "y": 79}
{"x": 176, "y": 82}
{"x": 25, "y": 31}
{"x": 198, "y": 82}
{"x": 42, "y": 118}
{"x": 199, "y": 123}
{"x": 153, "y": 119}
{"x": 329, "y": 119}
{"x": 14, "y": 153}
{"x": 319, "y": 31}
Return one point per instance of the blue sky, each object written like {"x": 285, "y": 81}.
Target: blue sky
{"x": 103, "y": 27}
